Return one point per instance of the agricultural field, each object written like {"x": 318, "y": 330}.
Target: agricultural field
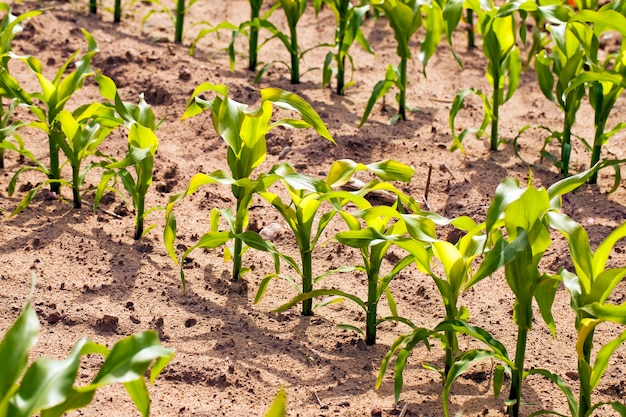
{"x": 110, "y": 272}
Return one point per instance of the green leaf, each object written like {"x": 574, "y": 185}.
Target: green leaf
{"x": 14, "y": 348}
{"x": 291, "y": 101}
{"x": 320, "y": 293}
{"x": 279, "y": 405}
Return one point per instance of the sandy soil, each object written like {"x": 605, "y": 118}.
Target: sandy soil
{"x": 232, "y": 355}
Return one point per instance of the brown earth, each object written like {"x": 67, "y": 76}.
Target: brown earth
{"x": 232, "y": 356}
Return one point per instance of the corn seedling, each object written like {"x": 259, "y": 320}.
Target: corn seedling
{"x": 244, "y": 131}
{"x": 81, "y": 131}
{"x": 348, "y": 20}
{"x": 53, "y": 96}
{"x": 590, "y": 287}
{"x": 250, "y": 29}
{"x": 405, "y": 18}
{"x": 556, "y": 70}
{"x": 498, "y": 29}
{"x": 142, "y": 146}
{"x": 293, "y": 9}
{"x": 456, "y": 260}
{"x": 604, "y": 79}
{"x": 307, "y": 196}
{"x": 524, "y": 214}
{"x": 10, "y": 89}
{"x": 373, "y": 241}
{"x": 46, "y": 386}
{"x": 300, "y": 214}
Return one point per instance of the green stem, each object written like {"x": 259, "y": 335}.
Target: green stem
{"x": 117, "y": 14}
{"x": 238, "y": 247}
{"x": 93, "y": 6}
{"x": 295, "y": 62}
{"x": 402, "y": 84}
{"x": 597, "y": 149}
{"x": 341, "y": 74}
{"x": 180, "y": 19}
{"x": 76, "y": 187}
{"x": 470, "y": 29}
{"x": 340, "y": 37}
{"x": 452, "y": 347}
{"x": 307, "y": 281}
{"x": 141, "y": 201}
{"x": 495, "y": 141}
{"x": 585, "y": 377}
{"x": 517, "y": 373}
{"x": 566, "y": 148}
{"x": 55, "y": 171}
{"x": 254, "y": 39}
{"x": 2, "y": 138}
{"x": 372, "y": 306}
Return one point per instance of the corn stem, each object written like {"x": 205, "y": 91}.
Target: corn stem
{"x": 254, "y": 38}
{"x": 372, "y": 306}
{"x": 566, "y": 147}
{"x": 307, "y": 280}
{"x": 402, "y": 85}
{"x": 496, "y": 111}
{"x": 584, "y": 402}
{"x": 93, "y": 6}
{"x": 596, "y": 151}
{"x": 295, "y": 61}
{"x": 180, "y": 19}
{"x": 75, "y": 187}
{"x": 55, "y": 172}
{"x": 141, "y": 201}
{"x": 471, "y": 43}
{"x": 117, "y": 14}
{"x": 517, "y": 373}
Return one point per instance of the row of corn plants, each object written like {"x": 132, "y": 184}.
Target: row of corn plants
{"x": 510, "y": 242}
{"x": 564, "y": 47}
{"x": 75, "y": 136}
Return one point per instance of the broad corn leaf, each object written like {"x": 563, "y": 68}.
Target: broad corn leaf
{"x": 291, "y": 101}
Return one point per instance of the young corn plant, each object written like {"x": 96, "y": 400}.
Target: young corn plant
{"x": 46, "y": 386}
{"x": 590, "y": 287}
{"x": 142, "y": 147}
{"x": 524, "y": 215}
{"x": 556, "y": 71}
{"x": 10, "y": 89}
{"x": 514, "y": 254}
{"x": 605, "y": 80}
{"x": 244, "y": 131}
{"x": 81, "y": 132}
{"x": 307, "y": 197}
{"x": 348, "y": 20}
{"x": 10, "y": 26}
{"x": 456, "y": 260}
{"x": 301, "y": 216}
{"x": 405, "y": 18}
{"x": 373, "y": 241}
{"x": 498, "y": 29}
{"x": 293, "y": 9}
{"x": 54, "y": 95}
